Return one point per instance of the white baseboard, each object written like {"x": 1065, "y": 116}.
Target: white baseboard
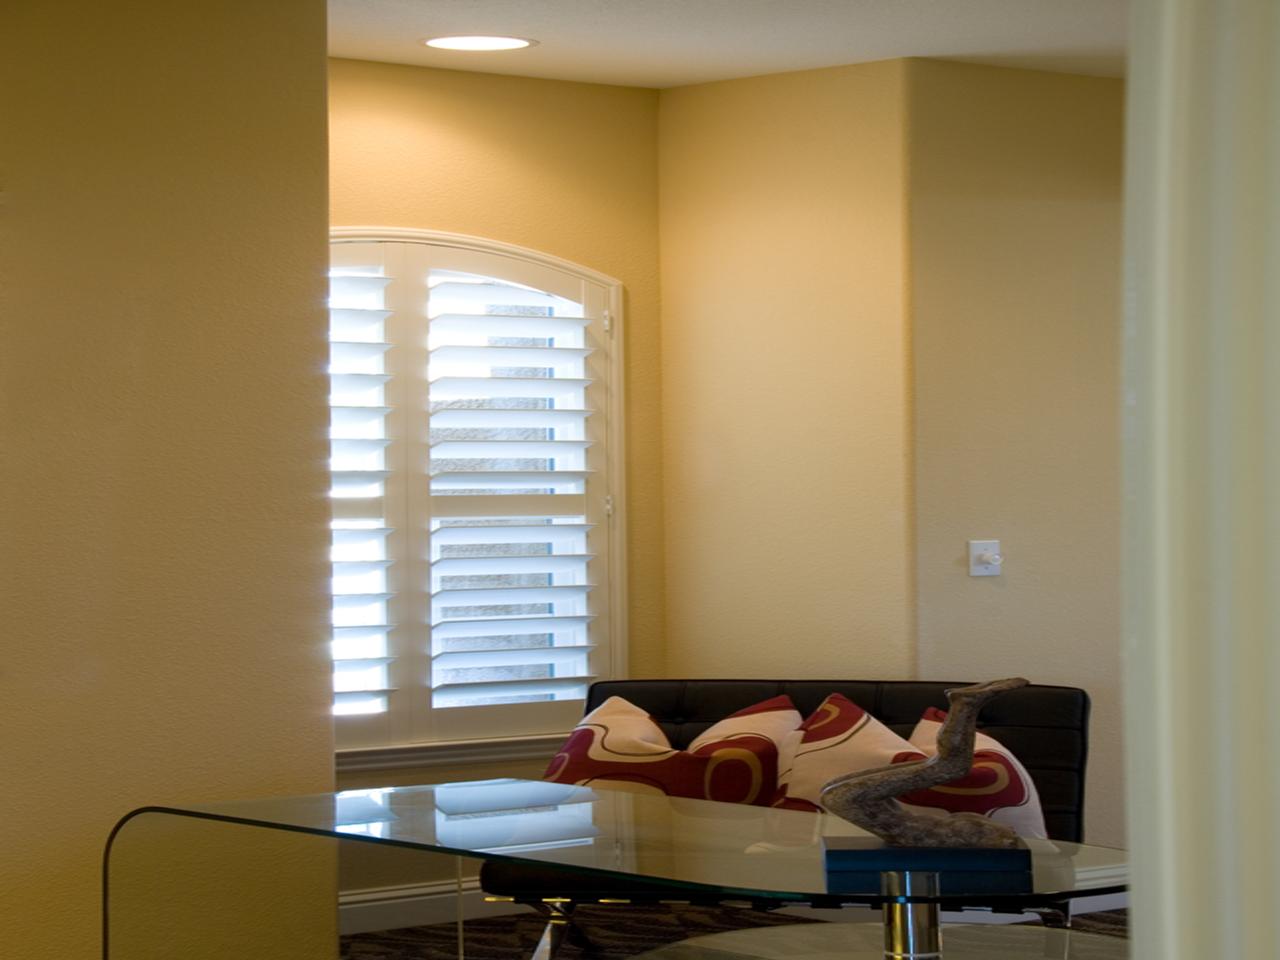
{"x": 1110, "y": 901}
{"x": 414, "y": 905}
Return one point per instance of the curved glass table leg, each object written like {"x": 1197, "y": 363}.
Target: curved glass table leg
{"x": 182, "y": 886}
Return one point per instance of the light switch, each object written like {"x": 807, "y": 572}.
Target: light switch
{"x": 985, "y": 558}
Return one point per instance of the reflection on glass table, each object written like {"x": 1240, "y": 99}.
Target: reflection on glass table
{"x": 701, "y": 849}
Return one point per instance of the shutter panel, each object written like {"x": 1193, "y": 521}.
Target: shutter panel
{"x": 468, "y": 429}
{"x": 358, "y": 470}
{"x": 509, "y": 400}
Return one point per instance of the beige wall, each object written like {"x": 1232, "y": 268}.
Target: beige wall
{"x": 162, "y": 424}
{"x": 163, "y": 413}
{"x": 565, "y": 168}
{"x": 784, "y": 364}
{"x": 1015, "y": 233}
{"x": 795, "y": 425}
{"x": 789, "y": 208}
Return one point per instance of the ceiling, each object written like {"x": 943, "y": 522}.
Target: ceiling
{"x": 666, "y": 43}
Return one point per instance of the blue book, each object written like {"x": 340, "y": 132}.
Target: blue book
{"x": 854, "y": 865}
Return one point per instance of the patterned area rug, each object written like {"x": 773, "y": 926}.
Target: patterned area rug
{"x": 610, "y": 933}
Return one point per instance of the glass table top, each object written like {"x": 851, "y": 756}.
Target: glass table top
{"x": 699, "y": 844}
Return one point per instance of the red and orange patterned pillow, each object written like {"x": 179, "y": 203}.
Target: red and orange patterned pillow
{"x": 736, "y": 760}
{"x": 764, "y": 755}
{"x": 997, "y": 786}
{"x": 837, "y": 738}
{"x": 840, "y": 737}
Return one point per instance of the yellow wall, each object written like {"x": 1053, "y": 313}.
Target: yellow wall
{"x": 162, "y": 483}
{"x": 162, "y": 422}
{"x": 796, "y": 428}
{"x": 565, "y": 168}
{"x": 790, "y": 413}
{"x": 1015, "y": 234}
{"x": 785, "y": 376}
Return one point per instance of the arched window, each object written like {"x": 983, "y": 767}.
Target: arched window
{"x": 476, "y": 470}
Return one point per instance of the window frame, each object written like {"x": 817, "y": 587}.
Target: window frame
{"x": 615, "y": 661}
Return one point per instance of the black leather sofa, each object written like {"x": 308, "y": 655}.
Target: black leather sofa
{"x": 1046, "y": 727}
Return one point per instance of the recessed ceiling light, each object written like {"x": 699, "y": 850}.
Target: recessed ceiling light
{"x": 478, "y": 43}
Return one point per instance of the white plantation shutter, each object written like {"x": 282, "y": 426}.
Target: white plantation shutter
{"x": 358, "y": 471}
{"x": 474, "y": 561}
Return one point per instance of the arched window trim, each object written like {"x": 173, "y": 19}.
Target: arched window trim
{"x": 463, "y": 241}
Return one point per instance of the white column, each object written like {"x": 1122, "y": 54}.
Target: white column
{"x": 1202, "y": 462}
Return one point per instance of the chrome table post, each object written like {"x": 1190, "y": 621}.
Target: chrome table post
{"x": 911, "y": 930}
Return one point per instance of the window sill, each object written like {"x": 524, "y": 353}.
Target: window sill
{"x": 449, "y": 753}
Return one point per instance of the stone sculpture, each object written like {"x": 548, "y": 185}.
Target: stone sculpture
{"x": 868, "y": 798}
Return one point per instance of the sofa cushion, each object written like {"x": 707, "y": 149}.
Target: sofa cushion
{"x": 735, "y": 760}
{"x": 997, "y": 786}
{"x": 839, "y": 737}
